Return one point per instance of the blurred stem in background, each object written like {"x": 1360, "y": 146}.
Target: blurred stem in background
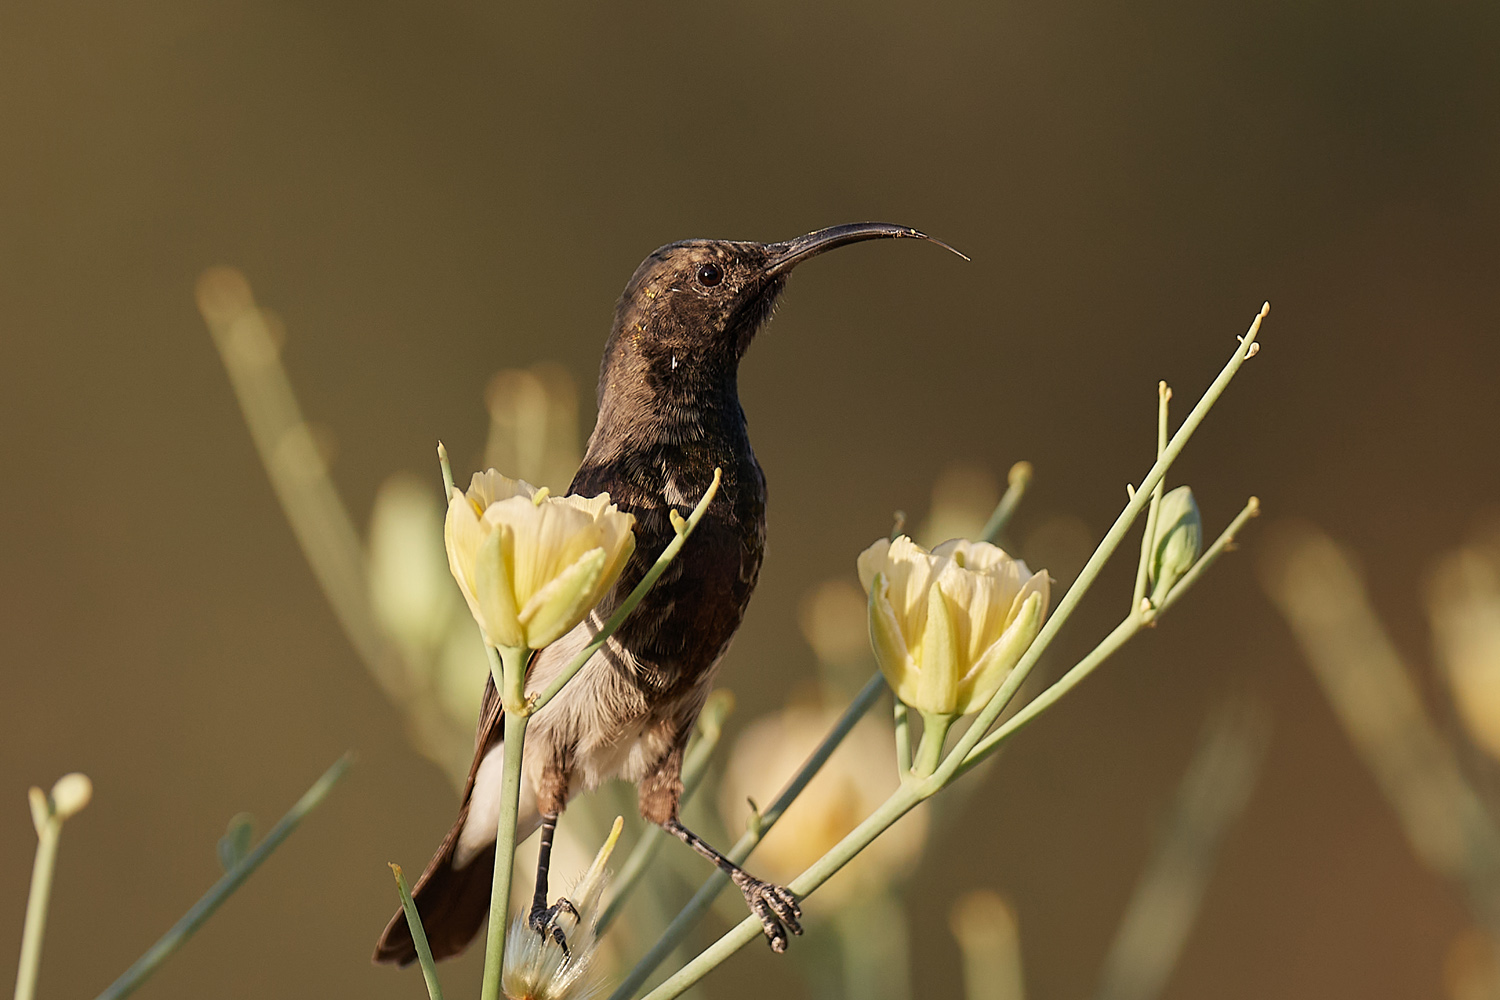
{"x": 1166, "y": 900}
{"x": 873, "y": 942}
{"x": 1375, "y": 698}
{"x": 990, "y": 943}
{"x": 393, "y": 598}
{"x": 250, "y": 345}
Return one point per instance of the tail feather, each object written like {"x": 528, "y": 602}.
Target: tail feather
{"x": 452, "y": 903}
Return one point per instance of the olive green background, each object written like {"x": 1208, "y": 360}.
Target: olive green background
{"x": 427, "y": 192}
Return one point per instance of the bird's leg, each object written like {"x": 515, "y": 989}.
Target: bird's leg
{"x": 543, "y": 918}
{"x": 775, "y": 905}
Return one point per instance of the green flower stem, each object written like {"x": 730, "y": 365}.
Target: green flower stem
{"x": 1224, "y": 543}
{"x": 1122, "y": 634}
{"x": 913, "y": 792}
{"x": 930, "y": 750}
{"x": 1017, "y": 481}
{"x": 418, "y": 935}
{"x": 684, "y": 529}
{"x": 902, "y": 801}
{"x": 511, "y": 674}
{"x": 903, "y": 739}
{"x": 510, "y": 684}
{"x": 1107, "y": 547}
{"x": 47, "y": 834}
{"x": 1148, "y": 537}
{"x": 694, "y": 768}
{"x": 760, "y": 826}
{"x": 225, "y": 887}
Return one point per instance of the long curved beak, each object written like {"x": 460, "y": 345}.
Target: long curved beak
{"x": 793, "y": 252}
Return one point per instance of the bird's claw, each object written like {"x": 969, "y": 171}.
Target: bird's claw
{"x": 775, "y": 906}
{"x": 544, "y": 920}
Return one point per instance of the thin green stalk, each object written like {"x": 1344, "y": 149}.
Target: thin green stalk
{"x": 913, "y": 792}
{"x": 1224, "y": 543}
{"x": 684, "y": 529}
{"x": 1017, "y": 481}
{"x": 225, "y": 887}
{"x": 903, "y": 739}
{"x": 47, "y": 833}
{"x": 902, "y": 801}
{"x": 447, "y": 468}
{"x": 761, "y": 825}
{"x": 694, "y": 768}
{"x": 1121, "y": 635}
{"x": 1101, "y": 555}
{"x": 513, "y": 662}
{"x": 1148, "y": 537}
{"x": 418, "y": 935}
{"x": 930, "y": 750}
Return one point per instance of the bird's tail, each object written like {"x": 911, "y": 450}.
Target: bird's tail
{"x": 451, "y": 901}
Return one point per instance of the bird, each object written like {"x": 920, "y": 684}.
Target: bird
{"x": 669, "y": 416}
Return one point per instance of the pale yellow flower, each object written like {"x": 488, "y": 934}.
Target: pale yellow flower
{"x": 859, "y": 776}
{"x": 532, "y": 565}
{"x": 948, "y": 625}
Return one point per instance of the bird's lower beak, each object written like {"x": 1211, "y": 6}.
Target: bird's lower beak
{"x": 793, "y": 252}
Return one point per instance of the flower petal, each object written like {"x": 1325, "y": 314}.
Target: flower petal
{"x": 872, "y": 561}
{"x": 986, "y": 676}
{"x": 937, "y": 681}
{"x": 891, "y": 652}
{"x": 491, "y": 487}
{"x": 462, "y": 535}
{"x": 1039, "y": 583}
{"x": 556, "y": 608}
{"x": 495, "y": 599}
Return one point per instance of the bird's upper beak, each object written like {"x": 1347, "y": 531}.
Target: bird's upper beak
{"x": 788, "y": 255}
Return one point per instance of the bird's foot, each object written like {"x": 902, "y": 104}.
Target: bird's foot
{"x": 544, "y": 920}
{"x": 775, "y": 906}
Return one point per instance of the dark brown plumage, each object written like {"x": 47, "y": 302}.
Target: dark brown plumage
{"x": 669, "y": 415}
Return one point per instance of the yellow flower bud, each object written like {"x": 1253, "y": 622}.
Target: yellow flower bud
{"x": 531, "y": 566}
{"x": 70, "y": 794}
{"x": 947, "y": 626}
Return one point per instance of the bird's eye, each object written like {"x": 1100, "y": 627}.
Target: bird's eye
{"x": 710, "y": 275}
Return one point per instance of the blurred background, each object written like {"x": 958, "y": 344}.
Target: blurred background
{"x": 427, "y": 194}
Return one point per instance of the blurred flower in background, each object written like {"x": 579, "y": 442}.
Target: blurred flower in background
{"x": 1463, "y": 603}
{"x": 963, "y": 496}
{"x": 857, "y": 778}
{"x": 534, "y": 425}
